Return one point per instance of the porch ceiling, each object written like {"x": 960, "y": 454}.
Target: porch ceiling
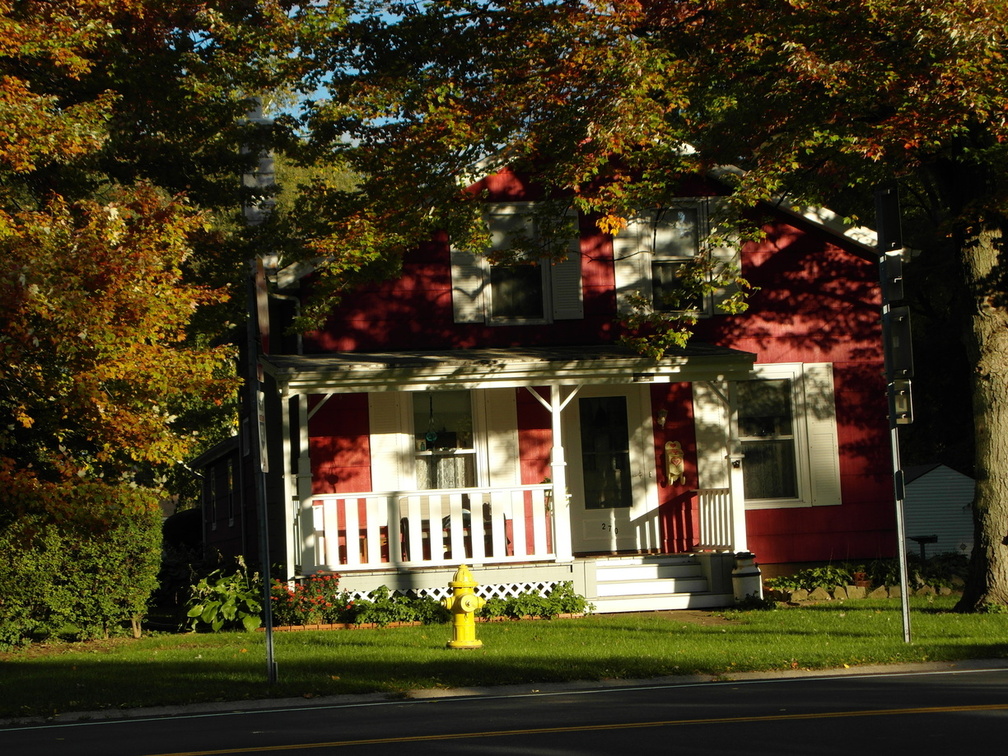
{"x": 518, "y": 366}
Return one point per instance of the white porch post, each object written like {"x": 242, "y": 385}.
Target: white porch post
{"x": 561, "y": 503}
{"x": 303, "y": 490}
{"x": 736, "y": 482}
{"x": 292, "y": 517}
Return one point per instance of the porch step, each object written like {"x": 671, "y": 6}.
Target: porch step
{"x": 653, "y": 583}
{"x": 646, "y": 587}
{"x": 672, "y": 568}
{"x": 647, "y": 568}
{"x": 662, "y": 603}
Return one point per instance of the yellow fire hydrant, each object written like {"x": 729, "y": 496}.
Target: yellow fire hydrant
{"x": 463, "y": 604}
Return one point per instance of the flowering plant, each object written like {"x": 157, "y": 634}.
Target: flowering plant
{"x": 312, "y": 601}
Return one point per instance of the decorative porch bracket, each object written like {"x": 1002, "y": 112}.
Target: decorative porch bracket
{"x": 558, "y": 463}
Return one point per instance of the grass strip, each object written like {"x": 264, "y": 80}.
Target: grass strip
{"x": 194, "y": 668}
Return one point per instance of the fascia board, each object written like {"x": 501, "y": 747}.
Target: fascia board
{"x": 822, "y": 217}
{"x": 363, "y": 377}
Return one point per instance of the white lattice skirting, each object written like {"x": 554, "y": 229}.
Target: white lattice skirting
{"x": 500, "y": 590}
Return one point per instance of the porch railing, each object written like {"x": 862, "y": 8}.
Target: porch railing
{"x": 715, "y": 515}
{"x": 366, "y": 531}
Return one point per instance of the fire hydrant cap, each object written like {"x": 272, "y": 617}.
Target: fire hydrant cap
{"x": 463, "y": 578}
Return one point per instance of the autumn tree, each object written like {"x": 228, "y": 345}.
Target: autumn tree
{"x": 123, "y": 138}
{"x": 609, "y": 103}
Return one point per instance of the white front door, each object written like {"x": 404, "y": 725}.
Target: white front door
{"x": 611, "y": 476}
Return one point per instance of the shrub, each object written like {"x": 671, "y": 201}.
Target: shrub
{"x": 940, "y": 571}
{"x": 34, "y": 603}
{"x": 226, "y": 600}
{"x": 181, "y": 567}
{"x": 809, "y": 579}
{"x": 559, "y": 600}
{"x": 381, "y": 608}
{"x": 317, "y": 601}
{"x": 86, "y": 561}
{"x": 563, "y": 600}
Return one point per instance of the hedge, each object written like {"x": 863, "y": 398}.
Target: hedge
{"x": 80, "y": 561}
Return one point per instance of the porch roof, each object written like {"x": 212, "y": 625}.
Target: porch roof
{"x": 506, "y": 367}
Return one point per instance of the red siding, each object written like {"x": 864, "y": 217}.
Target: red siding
{"x": 677, "y": 503}
{"x": 535, "y": 437}
{"x": 338, "y": 444}
{"x": 816, "y": 302}
{"x": 819, "y": 303}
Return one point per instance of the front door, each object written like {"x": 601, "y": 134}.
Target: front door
{"x": 611, "y": 470}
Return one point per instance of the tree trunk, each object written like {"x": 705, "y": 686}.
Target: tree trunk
{"x": 987, "y": 340}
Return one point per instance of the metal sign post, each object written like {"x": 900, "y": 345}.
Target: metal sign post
{"x": 897, "y": 350}
{"x": 258, "y": 315}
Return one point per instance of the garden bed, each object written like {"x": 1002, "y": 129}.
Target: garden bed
{"x": 374, "y": 625}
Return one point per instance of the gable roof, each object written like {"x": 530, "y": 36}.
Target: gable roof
{"x": 864, "y": 239}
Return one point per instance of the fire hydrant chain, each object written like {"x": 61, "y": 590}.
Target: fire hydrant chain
{"x": 463, "y": 604}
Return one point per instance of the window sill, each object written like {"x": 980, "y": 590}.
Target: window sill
{"x": 784, "y": 504}
{"x": 496, "y": 322}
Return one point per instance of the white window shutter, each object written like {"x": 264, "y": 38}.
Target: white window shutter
{"x": 725, "y": 254}
{"x": 501, "y": 428}
{"x": 820, "y": 420}
{"x": 632, "y": 264}
{"x": 468, "y": 279}
{"x": 391, "y": 461}
{"x": 710, "y": 421}
{"x": 565, "y": 280}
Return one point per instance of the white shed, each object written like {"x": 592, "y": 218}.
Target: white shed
{"x": 937, "y": 510}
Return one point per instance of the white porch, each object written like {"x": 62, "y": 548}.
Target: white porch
{"x": 510, "y": 549}
{"x": 514, "y": 537}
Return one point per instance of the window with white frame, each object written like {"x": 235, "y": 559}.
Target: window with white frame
{"x": 787, "y": 431}
{"x": 445, "y": 452}
{"x": 786, "y": 428}
{"x": 443, "y": 439}
{"x": 674, "y": 244}
{"x": 523, "y": 287}
{"x": 517, "y": 292}
{"x": 655, "y": 258}
{"x": 766, "y": 428}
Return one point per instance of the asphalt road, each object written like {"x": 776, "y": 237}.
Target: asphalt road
{"x": 920, "y": 710}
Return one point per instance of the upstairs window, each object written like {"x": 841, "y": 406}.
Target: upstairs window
{"x": 654, "y": 258}
{"x": 517, "y": 292}
{"x": 675, "y": 242}
{"x": 525, "y": 289}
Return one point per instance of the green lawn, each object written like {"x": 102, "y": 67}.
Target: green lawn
{"x": 189, "y": 668}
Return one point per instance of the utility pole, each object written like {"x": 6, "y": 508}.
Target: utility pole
{"x": 898, "y": 354}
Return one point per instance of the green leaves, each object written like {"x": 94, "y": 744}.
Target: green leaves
{"x": 226, "y": 599}
{"x": 87, "y": 558}
{"x": 94, "y": 319}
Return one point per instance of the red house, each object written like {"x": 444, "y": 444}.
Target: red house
{"x": 475, "y": 413}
